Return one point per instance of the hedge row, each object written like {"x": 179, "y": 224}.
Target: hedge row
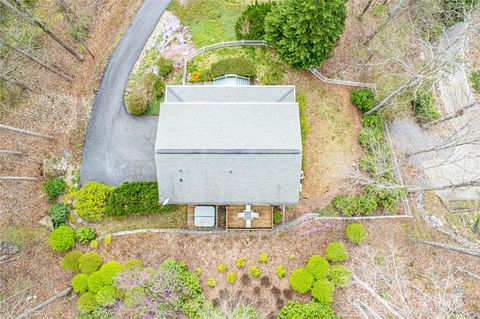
{"x": 95, "y": 200}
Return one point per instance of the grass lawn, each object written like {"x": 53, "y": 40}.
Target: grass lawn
{"x": 210, "y": 21}
{"x": 174, "y": 219}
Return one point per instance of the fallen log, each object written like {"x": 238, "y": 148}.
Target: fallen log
{"x": 456, "y": 249}
{"x": 53, "y": 298}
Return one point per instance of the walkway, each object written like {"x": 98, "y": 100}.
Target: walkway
{"x": 120, "y": 147}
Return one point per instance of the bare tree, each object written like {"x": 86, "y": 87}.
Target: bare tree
{"x": 25, "y": 132}
{"x": 34, "y": 59}
{"x": 454, "y": 115}
{"x": 33, "y": 19}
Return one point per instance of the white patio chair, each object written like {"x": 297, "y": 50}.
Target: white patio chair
{"x": 248, "y": 223}
{"x": 241, "y": 215}
{"x": 254, "y": 215}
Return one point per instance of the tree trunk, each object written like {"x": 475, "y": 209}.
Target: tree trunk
{"x": 53, "y": 298}
{"x": 414, "y": 189}
{"x": 8, "y": 152}
{"x": 18, "y": 178}
{"x": 365, "y": 9}
{"x": 456, "y": 249}
{"x": 18, "y": 83}
{"x": 391, "y": 96}
{"x": 34, "y": 20}
{"x": 391, "y": 15}
{"x": 21, "y": 131}
{"x": 471, "y": 274}
{"x": 30, "y": 57}
{"x": 458, "y": 113}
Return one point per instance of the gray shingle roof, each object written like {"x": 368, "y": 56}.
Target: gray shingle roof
{"x": 229, "y": 153}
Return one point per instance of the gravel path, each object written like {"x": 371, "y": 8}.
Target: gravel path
{"x": 120, "y": 147}
{"x": 456, "y": 164}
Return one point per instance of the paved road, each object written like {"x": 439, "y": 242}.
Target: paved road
{"x": 120, "y": 147}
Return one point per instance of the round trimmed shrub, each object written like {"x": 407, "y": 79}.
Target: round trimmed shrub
{"x": 89, "y": 262}
{"x": 133, "y": 264}
{"x": 165, "y": 66}
{"x": 280, "y": 271}
{"x": 136, "y": 102}
{"x": 255, "y": 272}
{"x": 106, "y": 296}
{"x": 58, "y": 213}
{"x": 70, "y": 261}
{"x": 211, "y": 282}
{"x": 62, "y": 238}
{"x": 91, "y": 201}
{"x": 318, "y": 266}
{"x": 304, "y": 32}
{"x": 108, "y": 272}
{"x": 95, "y": 282}
{"x": 336, "y": 251}
{"x": 251, "y": 24}
{"x": 363, "y": 99}
{"x": 339, "y": 275}
{"x": 356, "y": 233}
{"x": 322, "y": 290}
{"x": 232, "y": 277}
{"x": 85, "y": 234}
{"x": 80, "y": 283}
{"x": 54, "y": 187}
{"x": 222, "y": 268}
{"x": 263, "y": 258}
{"x": 241, "y": 262}
{"x": 86, "y": 302}
{"x": 301, "y": 280}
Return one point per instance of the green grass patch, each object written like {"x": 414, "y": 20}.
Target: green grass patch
{"x": 209, "y": 21}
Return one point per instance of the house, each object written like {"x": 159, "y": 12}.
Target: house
{"x": 233, "y": 148}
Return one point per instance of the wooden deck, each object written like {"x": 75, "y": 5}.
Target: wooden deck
{"x": 264, "y": 220}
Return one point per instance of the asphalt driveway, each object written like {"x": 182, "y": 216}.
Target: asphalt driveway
{"x": 119, "y": 147}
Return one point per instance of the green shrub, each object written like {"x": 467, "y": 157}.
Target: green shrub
{"x": 424, "y": 108}
{"x": 297, "y": 30}
{"x": 255, "y": 272}
{"x": 280, "y": 271}
{"x": 97, "y": 313}
{"x": 263, "y": 258}
{"x": 232, "y": 277}
{"x": 301, "y": 280}
{"x": 251, "y": 24}
{"x": 388, "y": 198}
{"x": 91, "y": 201}
{"x": 62, "y": 238}
{"x": 152, "y": 86}
{"x": 241, "y": 262}
{"x": 80, "y": 283}
{"x": 370, "y": 139}
{"x": 54, "y": 187}
{"x": 277, "y": 216}
{"x": 136, "y": 102}
{"x": 86, "y": 302}
{"x": 318, "y": 266}
{"x": 322, "y": 290}
{"x": 165, "y": 66}
{"x": 58, "y": 213}
{"x": 339, "y": 275}
{"x": 238, "y": 65}
{"x": 211, "y": 282}
{"x": 109, "y": 270}
{"x": 374, "y": 121}
{"x": 70, "y": 261}
{"x": 106, "y": 296}
{"x": 363, "y": 99}
{"x": 89, "y": 262}
{"x": 311, "y": 310}
{"x": 336, "y": 251}
{"x": 136, "y": 198}
{"x": 95, "y": 282}
{"x": 356, "y": 233}
{"x": 351, "y": 205}
{"x": 133, "y": 264}
{"x": 222, "y": 268}
{"x": 85, "y": 234}
{"x": 475, "y": 80}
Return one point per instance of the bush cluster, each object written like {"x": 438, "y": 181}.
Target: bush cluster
{"x": 424, "y": 108}
{"x": 62, "y": 238}
{"x": 91, "y": 201}
{"x": 135, "y": 198}
{"x": 322, "y": 290}
{"x": 58, "y": 213}
{"x": 311, "y": 310}
{"x": 89, "y": 262}
{"x": 54, "y": 187}
{"x": 85, "y": 234}
{"x": 356, "y": 233}
{"x": 318, "y": 266}
{"x": 363, "y": 99}
{"x": 165, "y": 66}
{"x": 145, "y": 90}
{"x": 238, "y": 65}
{"x": 251, "y": 24}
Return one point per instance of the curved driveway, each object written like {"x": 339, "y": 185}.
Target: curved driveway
{"x": 119, "y": 147}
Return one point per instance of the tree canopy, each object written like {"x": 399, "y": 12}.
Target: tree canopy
{"x": 304, "y": 32}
